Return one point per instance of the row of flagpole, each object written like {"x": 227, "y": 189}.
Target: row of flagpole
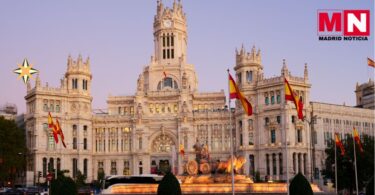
{"x": 338, "y": 143}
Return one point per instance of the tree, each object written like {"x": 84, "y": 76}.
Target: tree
{"x": 169, "y": 184}
{"x": 300, "y": 185}
{"x": 345, "y": 164}
{"x": 63, "y": 185}
{"x": 12, "y": 150}
{"x": 80, "y": 179}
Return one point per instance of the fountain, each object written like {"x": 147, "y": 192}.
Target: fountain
{"x": 204, "y": 171}
{"x": 204, "y": 176}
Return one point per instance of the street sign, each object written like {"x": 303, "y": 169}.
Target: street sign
{"x": 49, "y": 177}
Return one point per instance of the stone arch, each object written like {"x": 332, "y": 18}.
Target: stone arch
{"x": 162, "y": 142}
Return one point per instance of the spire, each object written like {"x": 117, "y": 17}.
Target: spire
{"x": 37, "y": 81}
{"x": 70, "y": 62}
{"x": 242, "y": 50}
{"x": 253, "y": 52}
{"x": 88, "y": 62}
{"x": 306, "y": 72}
{"x": 284, "y": 69}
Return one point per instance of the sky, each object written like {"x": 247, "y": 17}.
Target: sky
{"x": 117, "y": 35}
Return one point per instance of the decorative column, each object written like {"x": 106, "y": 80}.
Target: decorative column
{"x": 277, "y": 167}
{"x": 271, "y": 167}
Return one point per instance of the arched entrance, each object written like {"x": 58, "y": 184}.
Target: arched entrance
{"x": 161, "y": 148}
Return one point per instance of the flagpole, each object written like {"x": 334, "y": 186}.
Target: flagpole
{"x": 355, "y": 168}
{"x": 286, "y": 150}
{"x": 335, "y": 167}
{"x": 231, "y": 135}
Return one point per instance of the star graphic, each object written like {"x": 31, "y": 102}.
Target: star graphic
{"x": 25, "y": 71}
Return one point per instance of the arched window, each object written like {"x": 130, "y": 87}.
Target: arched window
{"x": 168, "y": 82}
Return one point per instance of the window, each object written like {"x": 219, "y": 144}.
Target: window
{"x": 74, "y": 83}
{"x": 85, "y": 167}
{"x": 293, "y": 119}
{"x": 140, "y": 143}
{"x": 74, "y": 143}
{"x": 251, "y": 138}
{"x": 274, "y": 164}
{"x": 273, "y": 136}
{"x": 140, "y": 168}
{"x": 163, "y": 51}
{"x": 113, "y": 168}
{"x": 126, "y": 168}
{"x": 273, "y": 99}
{"x": 132, "y": 110}
{"x": 58, "y": 164}
{"x": 281, "y": 164}
{"x": 299, "y": 135}
{"x": 45, "y": 105}
{"x": 278, "y": 98}
{"x": 75, "y": 167}
{"x": 57, "y": 106}
{"x": 278, "y": 118}
{"x": 85, "y": 143}
{"x": 266, "y": 121}
{"x": 249, "y": 76}
{"x": 239, "y": 78}
{"x": 44, "y": 167}
{"x": 268, "y": 164}
{"x": 167, "y": 82}
{"x": 250, "y": 124}
{"x": 101, "y": 166}
{"x": 52, "y": 106}
{"x": 266, "y": 100}
{"x": 84, "y": 84}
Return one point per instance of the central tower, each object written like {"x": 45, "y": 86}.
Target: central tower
{"x": 170, "y": 34}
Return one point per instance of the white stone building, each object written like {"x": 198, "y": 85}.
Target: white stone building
{"x": 137, "y": 133}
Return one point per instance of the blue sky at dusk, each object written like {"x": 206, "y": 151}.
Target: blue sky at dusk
{"x": 117, "y": 35}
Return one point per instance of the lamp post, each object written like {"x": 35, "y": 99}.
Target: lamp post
{"x": 23, "y": 177}
{"x": 311, "y": 123}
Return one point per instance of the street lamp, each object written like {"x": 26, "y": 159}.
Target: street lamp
{"x": 23, "y": 180}
{"x": 311, "y": 123}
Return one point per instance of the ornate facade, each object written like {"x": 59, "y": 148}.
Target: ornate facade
{"x": 137, "y": 133}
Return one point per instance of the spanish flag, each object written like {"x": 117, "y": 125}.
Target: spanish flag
{"x": 235, "y": 93}
{"x": 291, "y": 96}
{"x": 60, "y": 132}
{"x": 371, "y": 62}
{"x": 182, "y": 149}
{"x": 339, "y": 144}
{"x": 357, "y": 139}
{"x": 52, "y": 126}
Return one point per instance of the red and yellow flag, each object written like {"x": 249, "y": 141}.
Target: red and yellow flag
{"x": 60, "y": 132}
{"x": 235, "y": 93}
{"x": 339, "y": 144}
{"x": 52, "y": 126}
{"x": 371, "y": 62}
{"x": 357, "y": 139}
{"x": 291, "y": 96}
{"x": 182, "y": 149}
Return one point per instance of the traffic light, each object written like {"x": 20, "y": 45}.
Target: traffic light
{"x": 39, "y": 174}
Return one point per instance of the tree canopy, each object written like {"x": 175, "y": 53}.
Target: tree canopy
{"x": 345, "y": 164}
{"x": 300, "y": 185}
{"x": 12, "y": 150}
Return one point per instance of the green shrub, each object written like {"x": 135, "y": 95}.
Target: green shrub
{"x": 370, "y": 187}
{"x": 63, "y": 185}
{"x": 169, "y": 185}
{"x": 300, "y": 185}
